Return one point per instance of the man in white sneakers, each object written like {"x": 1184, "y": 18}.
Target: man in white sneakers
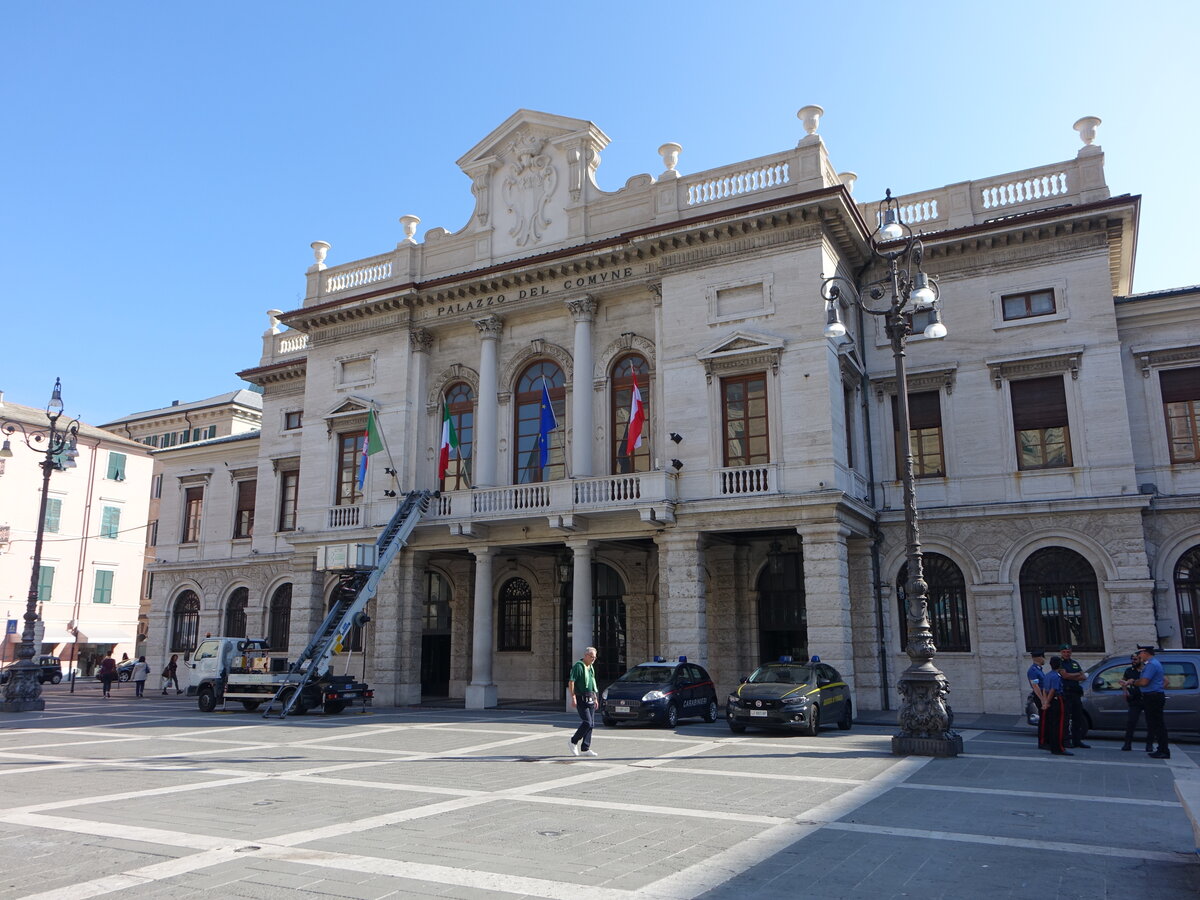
{"x": 581, "y": 687}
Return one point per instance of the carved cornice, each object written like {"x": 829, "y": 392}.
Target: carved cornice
{"x": 1162, "y": 357}
{"x": 929, "y": 380}
{"x": 1030, "y": 366}
{"x": 279, "y": 373}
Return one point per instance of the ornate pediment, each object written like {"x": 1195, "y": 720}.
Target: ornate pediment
{"x": 345, "y": 414}
{"x": 741, "y": 351}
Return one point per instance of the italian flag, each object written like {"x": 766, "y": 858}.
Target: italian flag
{"x": 637, "y": 418}
{"x": 449, "y": 442}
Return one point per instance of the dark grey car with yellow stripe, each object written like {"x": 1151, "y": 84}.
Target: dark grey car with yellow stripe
{"x": 789, "y": 695}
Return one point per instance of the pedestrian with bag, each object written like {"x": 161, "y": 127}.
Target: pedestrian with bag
{"x": 1135, "y": 703}
{"x": 586, "y": 700}
{"x": 170, "y": 674}
{"x": 141, "y": 671}
{"x": 108, "y": 673}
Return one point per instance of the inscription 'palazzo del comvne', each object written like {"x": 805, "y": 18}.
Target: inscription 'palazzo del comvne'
{"x": 760, "y": 514}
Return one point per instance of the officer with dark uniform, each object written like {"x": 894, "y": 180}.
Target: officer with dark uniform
{"x": 1072, "y": 677}
{"x": 1036, "y": 684}
{"x": 1053, "y": 711}
{"x": 1134, "y": 703}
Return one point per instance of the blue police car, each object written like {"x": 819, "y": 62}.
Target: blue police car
{"x": 790, "y": 695}
{"x": 662, "y": 692}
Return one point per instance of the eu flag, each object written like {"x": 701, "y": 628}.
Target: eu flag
{"x": 547, "y": 424}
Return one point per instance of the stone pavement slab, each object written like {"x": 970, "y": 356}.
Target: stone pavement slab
{"x": 467, "y": 804}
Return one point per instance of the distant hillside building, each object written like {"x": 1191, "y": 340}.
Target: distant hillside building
{"x": 1055, "y": 430}
{"x": 90, "y": 577}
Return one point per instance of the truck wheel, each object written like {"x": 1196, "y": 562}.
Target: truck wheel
{"x": 251, "y": 705}
{"x": 299, "y": 708}
{"x": 333, "y": 707}
{"x": 206, "y": 699}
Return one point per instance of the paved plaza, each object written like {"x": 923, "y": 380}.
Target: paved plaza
{"x": 151, "y": 798}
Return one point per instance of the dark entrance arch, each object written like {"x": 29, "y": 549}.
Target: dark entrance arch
{"x": 1187, "y": 597}
{"x": 609, "y": 635}
{"x": 782, "y": 608}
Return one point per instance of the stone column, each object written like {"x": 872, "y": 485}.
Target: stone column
{"x": 583, "y": 311}
{"x": 487, "y": 412}
{"x": 308, "y": 603}
{"x": 827, "y": 596}
{"x": 420, "y": 342}
{"x": 409, "y": 586}
{"x": 481, "y": 692}
{"x": 683, "y": 595}
{"x": 581, "y": 598}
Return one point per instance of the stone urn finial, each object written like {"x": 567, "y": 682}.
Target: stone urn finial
{"x": 273, "y": 320}
{"x": 1087, "y": 133}
{"x": 810, "y": 117}
{"x": 848, "y": 179}
{"x": 410, "y": 223}
{"x": 670, "y": 156}
{"x": 319, "y": 249}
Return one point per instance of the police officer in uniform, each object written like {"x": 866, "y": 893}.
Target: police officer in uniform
{"x": 1036, "y": 684}
{"x": 1154, "y": 697}
{"x": 1072, "y": 677}
{"x": 1053, "y": 710}
{"x": 1134, "y": 702}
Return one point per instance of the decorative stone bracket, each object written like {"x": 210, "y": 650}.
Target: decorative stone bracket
{"x": 1149, "y": 360}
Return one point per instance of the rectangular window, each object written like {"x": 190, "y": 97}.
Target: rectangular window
{"x": 349, "y": 453}
{"x": 211, "y": 431}
{"x": 924, "y": 435}
{"x": 848, "y": 412}
{"x": 243, "y": 526}
{"x": 110, "y": 522}
{"x": 744, "y": 420}
{"x": 151, "y": 441}
{"x": 156, "y": 487}
{"x": 1181, "y": 407}
{"x": 1039, "y": 408}
{"x": 53, "y": 514}
{"x": 289, "y": 491}
{"x": 292, "y": 420}
{"x": 116, "y": 466}
{"x": 1027, "y": 305}
{"x": 193, "y": 506}
{"x": 102, "y": 592}
{"x": 45, "y": 587}
{"x": 152, "y": 535}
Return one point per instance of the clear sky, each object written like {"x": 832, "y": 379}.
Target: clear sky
{"x": 166, "y": 165}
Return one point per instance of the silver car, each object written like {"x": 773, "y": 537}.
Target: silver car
{"x": 1104, "y": 701}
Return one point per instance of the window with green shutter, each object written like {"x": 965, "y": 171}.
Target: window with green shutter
{"x": 102, "y": 593}
{"x": 53, "y": 514}
{"x": 110, "y": 522}
{"x": 45, "y": 583}
{"x": 116, "y": 466}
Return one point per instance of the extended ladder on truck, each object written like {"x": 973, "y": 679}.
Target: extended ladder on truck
{"x": 348, "y": 610}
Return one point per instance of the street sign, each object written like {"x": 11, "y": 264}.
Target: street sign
{"x": 12, "y": 627}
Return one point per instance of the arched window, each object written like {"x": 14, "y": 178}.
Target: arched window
{"x": 1060, "y": 602}
{"x": 947, "y": 603}
{"x": 459, "y": 401}
{"x": 185, "y": 623}
{"x": 1187, "y": 596}
{"x": 629, "y": 369}
{"x": 279, "y": 623}
{"x": 529, "y": 418}
{"x": 235, "y": 613}
{"x": 782, "y": 607}
{"x": 516, "y": 615}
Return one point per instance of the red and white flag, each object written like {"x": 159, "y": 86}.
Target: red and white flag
{"x": 637, "y": 418}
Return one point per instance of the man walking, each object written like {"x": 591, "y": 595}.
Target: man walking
{"x": 1154, "y": 698}
{"x": 581, "y": 687}
{"x": 1072, "y": 694}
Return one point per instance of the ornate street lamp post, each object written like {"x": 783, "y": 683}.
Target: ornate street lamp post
{"x": 925, "y": 717}
{"x": 22, "y": 693}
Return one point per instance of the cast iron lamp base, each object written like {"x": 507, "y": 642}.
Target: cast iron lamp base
{"x": 925, "y": 718}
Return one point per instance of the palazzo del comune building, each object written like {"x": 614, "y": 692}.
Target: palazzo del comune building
{"x": 1054, "y": 432}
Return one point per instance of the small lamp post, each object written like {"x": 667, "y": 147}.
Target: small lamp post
{"x": 22, "y": 693}
{"x": 925, "y": 719}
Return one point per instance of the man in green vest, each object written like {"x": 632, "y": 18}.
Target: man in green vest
{"x": 581, "y": 687}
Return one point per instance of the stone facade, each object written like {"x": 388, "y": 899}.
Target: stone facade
{"x": 764, "y": 510}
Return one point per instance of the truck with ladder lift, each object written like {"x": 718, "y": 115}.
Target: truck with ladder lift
{"x": 234, "y": 669}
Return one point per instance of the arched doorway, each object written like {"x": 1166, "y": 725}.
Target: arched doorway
{"x": 435, "y": 638}
{"x": 782, "y": 610}
{"x": 609, "y": 635}
{"x": 1187, "y": 597}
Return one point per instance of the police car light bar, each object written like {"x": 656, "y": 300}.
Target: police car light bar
{"x": 785, "y": 659}
{"x": 683, "y": 659}
{"x": 660, "y": 659}
{"x": 816, "y": 659}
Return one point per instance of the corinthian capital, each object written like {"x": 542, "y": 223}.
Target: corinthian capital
{"x": 490, "y": 327}
{"x": 420, "y": 340}
{"x": 583, "y": 309}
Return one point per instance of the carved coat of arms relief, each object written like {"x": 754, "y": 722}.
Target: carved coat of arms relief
{"x": 529, "y": 184}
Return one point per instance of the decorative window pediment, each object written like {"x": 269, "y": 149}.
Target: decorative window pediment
{"x": 740, "y": 351}
{"x": 1035, "y": 365}
{"x": 939, "y": 379}
{"x": 1157, "y": 358}
{"x": 350, "y": 413}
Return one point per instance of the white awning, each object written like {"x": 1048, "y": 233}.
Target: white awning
{"x": 103, "y": 634}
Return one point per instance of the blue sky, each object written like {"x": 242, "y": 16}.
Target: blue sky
{"x": 167, "y": 164}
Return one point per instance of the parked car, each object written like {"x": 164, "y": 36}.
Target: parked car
{"x": 791, "y": 695}
{"x": 662, "y": 692}
{"x": 1104, "y": 701}
{"x": 49, "y": 669}
{"x": 124, "y": 671}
